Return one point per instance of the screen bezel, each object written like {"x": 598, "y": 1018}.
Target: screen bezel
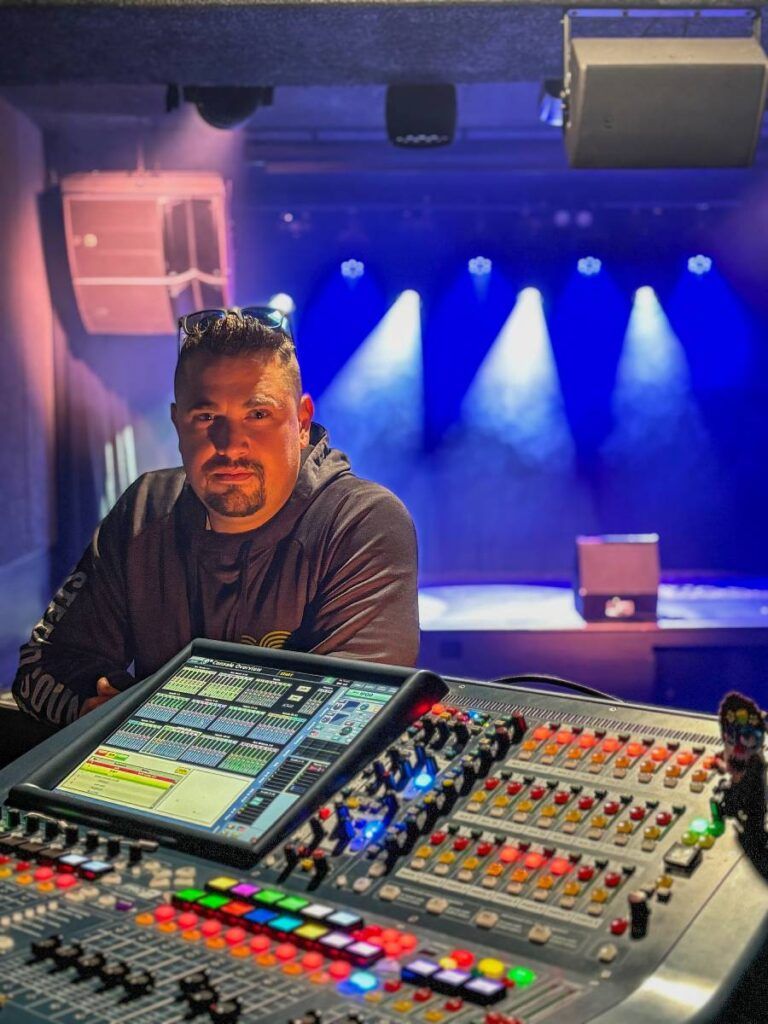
{"x": 415, "y": 692}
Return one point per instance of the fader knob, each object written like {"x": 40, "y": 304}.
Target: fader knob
{"x": 89, "y": 964}
{"x": 319, "y": 867}
{"x": 198, "y": 1002}
{"x": 638, "y": 908}
{"x": 32, "y": 823}
{"x": 51, "y": 829}
{"x": 442, "y": 732}
{"x": 112, "y": 973}
{"x": 503, "y": 742}
{"x": 460, "y": 733}
{"x": 194, "y": 982}
{"x": 113, "y": 846}
{"x": 92, "y": 839}
{"x": 485, "y": 758}
{"x": 318, "y": 832}
{"x": 64, "y": 956}
{"x": 138, "y": 983}
{"x": 469, "y": 774}
{"x": 135, "y": 853}
{"x": 225, "y": 1011}
{"x": 42, "y": 949}
{"x": 12, "y": 817}
{"x": 71, "y": 835}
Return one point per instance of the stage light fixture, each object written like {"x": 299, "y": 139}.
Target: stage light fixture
{"x": 283, "y": 302}
{"x": 551, "y": 102}
{"x": 351, "y": 270}
{"x": 699, "y": 265}
{"x": 479, "y": 266}
{"x": 648, "y": 101}
{"x": 227, "y": 106}
{"x": 421, "y": 116}
{"x": 589, "y": 266}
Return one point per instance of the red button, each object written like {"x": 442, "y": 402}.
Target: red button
{"x": 611, "y": 745}
{"x": 324, "y": 813}
{"x": 234, "y": 936}
{"x": 508, "y": 854}
{"x": 340, "y": 969}
{"x": 43, "y": 874}
{"x": 561, "y": 797}
{"x": 436, "y": 838}
{"x": 438, "y": 709}
{"x": 187, "y": 920}
{"x": 421, "y": 995}
{"x": 663, "y": 818}
{"x": 461, "y": 843}
{"x": 635, "y": 749}
{"x": 23, "y": 865}
{"x": 659, "y": 754}
{"x": 483, "y": 849}
{"x": 286, "y": 951}
{"x": 313, "y": 961}
{"x": 491, "y": 783}
{"x": 537, "y": 792}
{"x": 164, "y": 912}
{"x": 454, "y": 1004}
{"x": 587, "y": 741}
{"x": 612, "y": 807}
{"x": 637, "y": 813}
{"x": 408, "y": 941}
{"x": 4, "y": 858}
{"x": 563, "y": 737}
{"x": 210, "y": 928}
{"x": 260, "y": 944}
{"x": 585, "y": 873}
{"x": 685, "y": 757}
{"x": 612, "y": 879}
{"x": 619, "y": 926}
{"x": 559, "y": 866}
{"x": 542, "y": 733}
{"x": 392, "y": 985}
{"x": 65, "y": 881}
{"x": 534, "y": 860}
{"x": 393, "y": 950}
{"x": 586, "y": 803}
{"x": 464, "y": 959}
{"x": 513, "y": 788}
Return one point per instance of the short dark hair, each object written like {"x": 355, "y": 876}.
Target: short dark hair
{"x": 236, "y": 336}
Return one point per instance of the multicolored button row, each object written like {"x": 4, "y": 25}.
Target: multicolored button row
{"x": 483, "y": 989}
{"x": 314, "y": 926}
{"x": 65, "y": 864}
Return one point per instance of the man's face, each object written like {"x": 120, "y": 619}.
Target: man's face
{"x": 241, "y": 431}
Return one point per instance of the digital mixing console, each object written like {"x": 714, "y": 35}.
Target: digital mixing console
{"x": 515, "y": 856}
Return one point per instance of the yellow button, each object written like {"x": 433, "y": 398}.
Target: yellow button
{"x": 306, "y": 864}
{"x": 371, "y": 997}
{"x": 5, "y": 872}
{"x": 652, "y": 832}
{"x": 494, "y": 870}
{"x": 571, "y": 889}
{"x": 448, "y": 963}
{"x": 599, "y": 895}
{"x": 490, "y": 967}
{"x": 471, "y": 863}
{"x": 599, "y": 821}
{"x": 222, "y": 882}
{"x": 545, "y": 882}
{"x": 424, "y": 852}
{"x": 447, "y": 858}
{"x": 434, "y": 1015}
{"x": 525, "y": 806}
{"x": 624, "y": 828}
{"x": 352, "y": 802}
{"x": 665, "y": 881}
{"x": 549, "y": 811}
{"x": 501, "y": 801}
{"x": 402, "y": 1006}
{"x": 520, "y": 875}
{"x": 706, "y": 842}
{"x": 574, "y": 816}
{"x": 480, "y": 797}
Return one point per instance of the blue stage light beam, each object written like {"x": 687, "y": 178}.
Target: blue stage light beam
{"x": 375, "y": 402}
{"x": 515, "y": 396}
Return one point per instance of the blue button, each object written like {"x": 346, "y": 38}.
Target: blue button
{"x": 260, "y": 916}
{"x": 285, "y": 923}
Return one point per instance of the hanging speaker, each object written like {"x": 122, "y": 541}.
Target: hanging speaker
{"x": 145, "y": 247}
{"x": 617, "y": 577}
{"x": 664, "y": 102}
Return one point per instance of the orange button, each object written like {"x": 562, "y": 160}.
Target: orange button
{"x": 635, "y": 749}
{"x": 659, "y": 754}
{"x": 542, "y": 733}
{"x": 685, "y": 757}
{"x": 611, "y": 745}
{"x": 564, "y": 736}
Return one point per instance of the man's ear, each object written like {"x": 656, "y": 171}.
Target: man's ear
{"x": 306, "y": 412}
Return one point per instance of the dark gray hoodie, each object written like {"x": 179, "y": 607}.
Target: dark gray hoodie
{"x": 334, "y": 572}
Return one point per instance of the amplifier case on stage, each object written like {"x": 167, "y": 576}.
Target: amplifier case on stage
{"x": 617, "y": 577}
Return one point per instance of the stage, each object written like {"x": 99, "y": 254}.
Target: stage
{"x": 710, "y": 636}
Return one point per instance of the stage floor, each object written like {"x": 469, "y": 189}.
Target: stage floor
{"x": 710, "y": 636}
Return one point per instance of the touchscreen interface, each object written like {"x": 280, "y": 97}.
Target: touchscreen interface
{"x": 227, "y": 747}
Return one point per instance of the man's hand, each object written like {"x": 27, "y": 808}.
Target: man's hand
{"x": 103, "y": 693}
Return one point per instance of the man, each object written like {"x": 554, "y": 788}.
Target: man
{"x": 264, "y": 537}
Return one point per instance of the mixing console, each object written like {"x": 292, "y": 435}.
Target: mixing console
{"x": 515, "y": 857}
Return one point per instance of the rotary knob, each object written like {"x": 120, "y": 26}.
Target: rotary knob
{"x": 225, "y": 1011}
{"x": 138, "y": 983}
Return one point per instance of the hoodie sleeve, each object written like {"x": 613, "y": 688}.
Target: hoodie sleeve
{"x": 82, "y": 635}
{"x": 367, "y": 603}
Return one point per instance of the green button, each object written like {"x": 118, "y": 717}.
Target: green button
{"x": 269, "y": 896}
{"x": 189, "y": 895}
{"x": 699, "y": 826}
{"x": 689, "y": 839}
{"x": 212, "y": 901}
{"x": 293, "y": 903}
{"x": 522, "y": 976}
{"x": 716, "y": 828}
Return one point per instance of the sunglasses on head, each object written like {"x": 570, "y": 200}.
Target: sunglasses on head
{"x": 276, "y": 319}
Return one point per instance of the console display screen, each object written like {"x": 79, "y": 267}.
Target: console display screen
{"x": 227, "y": 747}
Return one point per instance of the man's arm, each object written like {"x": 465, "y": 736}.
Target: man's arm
{"x": 83, "y": 636}
{"x": 367, "y": 602}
